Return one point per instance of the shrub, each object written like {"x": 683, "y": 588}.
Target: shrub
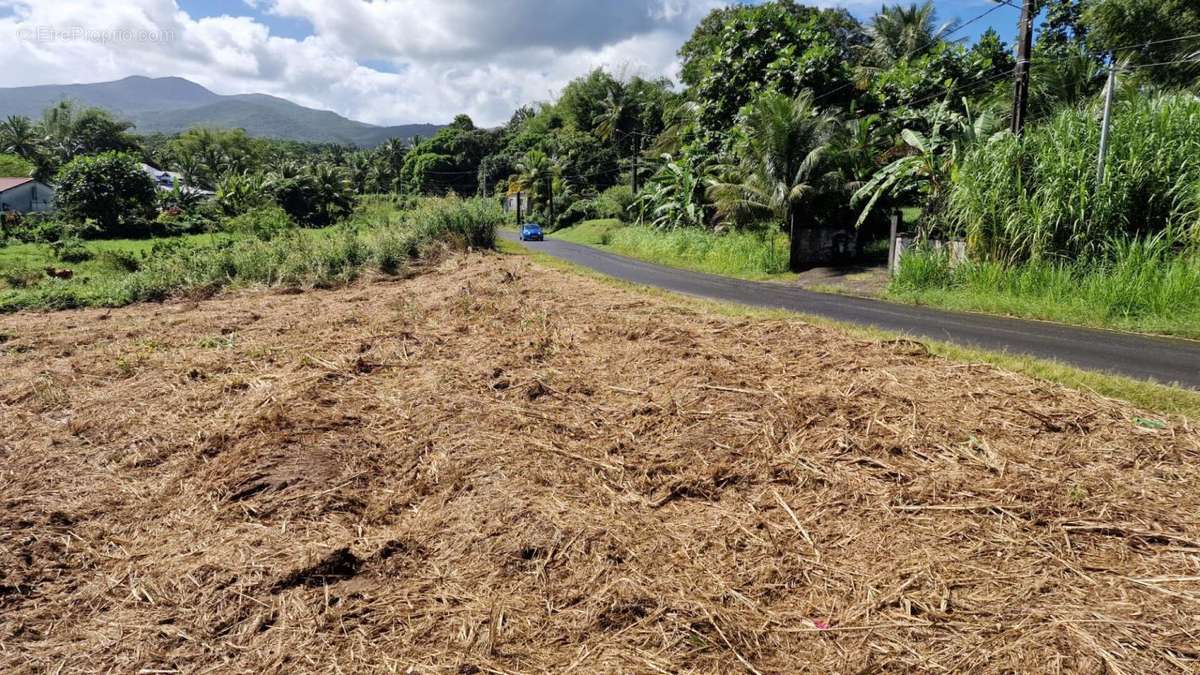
{"x": 22, "y": 277}
{"x": 119, "y": 261}
{"x": 581, "y": 210}
{"x": 264, "y": 222}
{"x": 614, "y": 203}
{"x": 473, "y": 220}
{"x": 109, "y": 188}
{"x": 71, "y": 249}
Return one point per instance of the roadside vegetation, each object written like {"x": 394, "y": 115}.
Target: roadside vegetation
{"x": 381, "y": 237}
{"x": 744, "y": 254}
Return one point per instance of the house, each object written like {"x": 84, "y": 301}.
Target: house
{"x": 25, "y": 195}
{"x": 166, "y": 181}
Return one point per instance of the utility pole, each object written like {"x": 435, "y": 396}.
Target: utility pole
{"x": 1024, "y": 48}
{"x": 1106, "y": 125}
{"x": 637, "y": 151}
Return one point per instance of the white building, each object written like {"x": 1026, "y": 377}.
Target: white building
{"x": 167, "y": 181}
{"x": 25, "y": 195}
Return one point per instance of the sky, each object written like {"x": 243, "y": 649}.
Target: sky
{"x": 378, "y": 61}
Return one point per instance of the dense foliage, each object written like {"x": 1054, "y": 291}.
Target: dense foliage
{"x": 1052, "y": 205}
{"x": 109, "y": 189}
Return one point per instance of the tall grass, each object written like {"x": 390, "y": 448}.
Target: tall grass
{"x": 1036, "y": 196}
{"x": 1141, "y": 284}
{"x": 299, "y": 258}
{"x": 739, "y": 253}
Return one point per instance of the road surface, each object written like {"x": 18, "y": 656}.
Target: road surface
{"x": 1165, "y": 360}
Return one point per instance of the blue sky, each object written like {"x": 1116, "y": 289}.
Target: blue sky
{"x": 379, "y": 61}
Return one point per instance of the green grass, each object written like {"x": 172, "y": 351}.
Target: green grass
{"x": 154, "y": 270}
{"x": 1148, "y": 395}
{"x": 1142, "y": 286}
{"x": 744, "y": 255}
{"x": 38, "y": 256}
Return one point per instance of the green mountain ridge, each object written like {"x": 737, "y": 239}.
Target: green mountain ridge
{"x": 172, "y": 105}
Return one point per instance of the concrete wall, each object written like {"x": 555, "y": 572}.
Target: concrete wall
{"x": 30, "y": 197}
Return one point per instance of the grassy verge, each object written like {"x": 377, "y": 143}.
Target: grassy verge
{"x": 1150, "y": 396}
{"x": 293, "y": 258}
{"x": 1142, "y": 287}
{"x": 20, "y": 259}
{"x": 744, "y": 255}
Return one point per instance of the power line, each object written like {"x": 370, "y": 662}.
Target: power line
{"x": 1190, "y": 59}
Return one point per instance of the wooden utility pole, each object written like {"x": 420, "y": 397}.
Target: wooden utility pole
{"x": 1106, "y": 125}
{"x": 1024, "y": 49}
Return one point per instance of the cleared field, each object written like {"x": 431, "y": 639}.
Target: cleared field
{"x": 497, "y": 467}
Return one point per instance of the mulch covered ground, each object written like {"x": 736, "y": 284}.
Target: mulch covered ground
{"x": 497, "y": 467}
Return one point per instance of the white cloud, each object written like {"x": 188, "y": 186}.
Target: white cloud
{"x": 449, "y": 56}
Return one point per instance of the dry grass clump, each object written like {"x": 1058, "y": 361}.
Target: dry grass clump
{"x": 499, "y": 468}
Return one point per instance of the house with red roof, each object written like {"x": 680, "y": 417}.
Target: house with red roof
{"x": 25, "y": 195}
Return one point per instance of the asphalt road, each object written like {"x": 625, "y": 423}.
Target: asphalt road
{"x": 1165, "y": 360}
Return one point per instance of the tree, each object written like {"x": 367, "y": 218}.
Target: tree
{"x": 783, "y": 164}
{"x": 1063, "y": 30}
{"x": 110, "y": 189}
{"x": 449, "y": 160}
{"x": 777, "y": 46}
{"x": 14, "y": 166}
{"x": 206, "y": 155}
{"x": 899, "y": 33}
{"x": 18, "y": 136}
{"x": 67, "y": 132}
{"x": 536, "y": 174}
{"x": 1121, "y": 24}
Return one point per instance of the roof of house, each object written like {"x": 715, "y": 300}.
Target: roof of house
{"x": 7, "y": 184}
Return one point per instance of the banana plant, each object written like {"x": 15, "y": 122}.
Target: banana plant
{"x": 674, "y": 197}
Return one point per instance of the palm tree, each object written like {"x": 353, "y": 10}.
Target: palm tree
{"x": 536, "y": 172}
{"x": 783, "y": 163}
{"x": 18, "y": 137}
{"x": 898, "y": 32}
{"x": 618, "y": 117}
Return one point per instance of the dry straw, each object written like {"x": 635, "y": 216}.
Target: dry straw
{"x": 497, "y": 468}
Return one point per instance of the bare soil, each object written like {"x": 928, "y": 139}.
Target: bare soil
{"x": 497, "y": 467}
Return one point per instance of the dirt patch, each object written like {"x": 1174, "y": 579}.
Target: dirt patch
{"x": 865, "y": 280}
{"x": 497, "y": 467}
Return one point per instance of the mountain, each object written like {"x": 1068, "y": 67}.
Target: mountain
{"x": 172, "y": 104}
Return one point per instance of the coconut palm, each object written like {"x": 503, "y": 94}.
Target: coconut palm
{"x": 18, "y": 136}
{"x": 898, "y": 32}
{"x": 618, "y": 118}
{"x": 536, "y": 173}
{"x": 782, "y": 164}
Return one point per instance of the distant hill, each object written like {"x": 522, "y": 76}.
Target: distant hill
{"x": 172, "y": 104}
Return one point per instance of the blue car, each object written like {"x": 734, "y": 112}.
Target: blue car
{"x": 531, "y": 232}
